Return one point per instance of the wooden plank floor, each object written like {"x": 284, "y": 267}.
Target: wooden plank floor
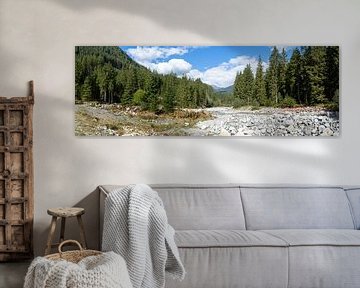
{"x": 12, "y": 274}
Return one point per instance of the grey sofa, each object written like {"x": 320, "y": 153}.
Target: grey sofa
{"x": 263, "y": 236}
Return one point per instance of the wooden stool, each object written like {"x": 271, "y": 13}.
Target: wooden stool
{"x": 64, "y": 213}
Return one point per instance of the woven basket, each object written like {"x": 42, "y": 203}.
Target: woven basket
{"x": 72, "y": 256}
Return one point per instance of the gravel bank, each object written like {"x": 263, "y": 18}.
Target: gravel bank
{"x": 306, "y": 121}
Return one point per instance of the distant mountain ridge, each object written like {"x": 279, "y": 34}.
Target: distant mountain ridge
{"x": 228, "y": 89}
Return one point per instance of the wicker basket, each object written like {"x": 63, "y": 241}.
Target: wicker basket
{"x": 72, "y": 256}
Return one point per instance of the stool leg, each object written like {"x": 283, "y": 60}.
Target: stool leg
{"x": 51, "y": 235}
{"x": 62, "y": 231}
{"x": 82, "y": 232}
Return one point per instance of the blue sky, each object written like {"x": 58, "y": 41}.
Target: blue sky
{"x": 214, "y": 65}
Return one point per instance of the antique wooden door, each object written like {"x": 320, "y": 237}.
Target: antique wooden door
{"x": 16, "y": 177}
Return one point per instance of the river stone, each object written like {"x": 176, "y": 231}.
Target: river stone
{"x": 232, "y": 130}
{"x": 224, "y": 132}
{"x": 291, "y": 129}
{"x": 327, "y": 132}
{"x": 307, "y": 131}
{"x": 289, "y": 122}
{"x": 240, "y": 133}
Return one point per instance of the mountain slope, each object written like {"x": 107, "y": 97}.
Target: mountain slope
{"x": 112, "y": 55}
{"x": 107, "y": 74}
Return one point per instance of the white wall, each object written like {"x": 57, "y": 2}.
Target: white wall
{"x": 37, "y": 40}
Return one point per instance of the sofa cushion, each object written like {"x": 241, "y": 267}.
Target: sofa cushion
{"x": 226, "y": 238}
{"x": 315, "y": 237}
{"x": 203, "y": 207}
{"x": 191, "y": 207}
{"x": 322, "y": 258}
{"x": 296, "y": 208}
{"x": 220, "y": 267}
{"x": 324, "y": 266}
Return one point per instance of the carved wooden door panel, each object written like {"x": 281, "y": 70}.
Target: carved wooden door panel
{"x": 16, "y": 177}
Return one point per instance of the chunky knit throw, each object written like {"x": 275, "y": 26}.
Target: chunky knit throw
{"x": 102, "y": 271}
{"x": 136, "y": 227}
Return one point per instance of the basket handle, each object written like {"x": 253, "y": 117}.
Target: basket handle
{"x": 69, "y": 241}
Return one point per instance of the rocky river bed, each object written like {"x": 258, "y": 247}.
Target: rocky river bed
{"x": 114, "y": 120}
{"x": 305, "y": 121}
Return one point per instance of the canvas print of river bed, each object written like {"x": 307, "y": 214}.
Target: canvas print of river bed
{"x": 207, "y": 91}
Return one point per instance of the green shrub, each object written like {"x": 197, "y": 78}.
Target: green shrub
{"x": 288, "y": 102}
{"x": 334, "y": 104}
{"x": 237, "y": 103}
{"x": 139, "y": 97}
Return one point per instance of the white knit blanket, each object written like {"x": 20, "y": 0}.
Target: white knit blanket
{"x": 136, "y": 227}
{"x": 104, "y": 271}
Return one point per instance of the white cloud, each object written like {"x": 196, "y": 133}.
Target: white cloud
{"x": 195, "y": 74}
{"x": 149, "y": 57}
{"x": 241, "y": 60}
{"x": 147, "y": 54}
{"x": 177, "y": 66}
{"x": 224, "y": 74}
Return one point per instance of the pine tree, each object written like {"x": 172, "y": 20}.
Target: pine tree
{"x": 198, "y": 91}
{"x": 293, "y": 78}
{"x": 315, "y": 69}
{"x": 105, "y": 79}
{"x": 236, "y": 90}
{"x": 120, "y": 83}
{"x": 259, "y": 85}
{"x": 79, "y": 73}
{"x": 332, "y": 73}
{"x": 282, "y": 74}
{"x": 181, "y": 93}
{"x": 101, "y": 82}
{"x": 152, "y": 92}
{"x": 168, "y": 93}
{"x": 239, "y": 88}
{"x": 86, "y": 90}
{"x": 130, "y": 87}
{"x": 190, "y": 101}
{"x": 244, "y": 87}
{"x": 249, "y": 85}
{"x": 272, "y": 77}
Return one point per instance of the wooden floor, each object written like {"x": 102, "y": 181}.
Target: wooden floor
{"x": 12, "y": 274}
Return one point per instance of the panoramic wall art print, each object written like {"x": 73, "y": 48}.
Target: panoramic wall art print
{"x": 207, "y": 91}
